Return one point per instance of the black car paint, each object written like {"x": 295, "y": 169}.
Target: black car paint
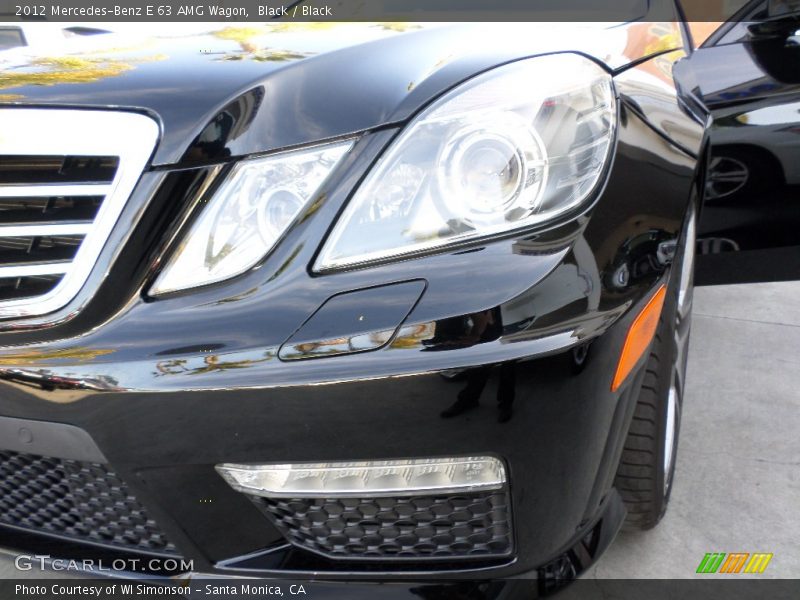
{"x": 168, "y": 388}
{"x": 312, "y": 85}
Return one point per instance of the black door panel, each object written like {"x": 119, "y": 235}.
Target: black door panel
{"x": 748, "y": 77}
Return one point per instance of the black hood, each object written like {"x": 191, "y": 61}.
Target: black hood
{"x": 253, "y": 88}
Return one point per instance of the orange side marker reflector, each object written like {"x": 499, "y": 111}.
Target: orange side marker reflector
{"x": 639, "y": 337}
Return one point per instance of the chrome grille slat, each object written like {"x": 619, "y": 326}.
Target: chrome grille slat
{"x": 32, "y": 250}
{"x": 39, "y": 169}
{"x": 45, "y": 229}
{"x": 45, "y": 210}
{"x": 35, "y": 269}
{"x": 65, "y": 176}
{"x": 22, "y": 287}
{"x": 54, "y": 190}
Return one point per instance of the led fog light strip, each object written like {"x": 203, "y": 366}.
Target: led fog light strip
{"x": 413, "y": 477}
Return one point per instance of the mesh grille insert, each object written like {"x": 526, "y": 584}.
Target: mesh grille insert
{"x": 83, "y": 501}
{"x": 450, "y": 526}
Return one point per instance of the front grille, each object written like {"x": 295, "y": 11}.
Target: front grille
{"x": 25, "y": 287}
{"x": 82, "y": 501}
{"x": 475, "y": 525}
{"x": 65, "y": 176}
{"x": 38, "y": 169}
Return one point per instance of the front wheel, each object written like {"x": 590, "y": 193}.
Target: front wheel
{"x": 647, "y": 466}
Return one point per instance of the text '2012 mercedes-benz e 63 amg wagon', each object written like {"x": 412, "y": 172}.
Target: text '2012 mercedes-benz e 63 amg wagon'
{"x": 358, "y": 302}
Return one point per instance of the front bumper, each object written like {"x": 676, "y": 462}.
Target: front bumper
{"x": 536, "y": 583}
{"x": 166, "y": 390}
{"x": 560, "y": 446}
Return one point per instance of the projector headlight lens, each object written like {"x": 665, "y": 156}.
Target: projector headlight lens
{"x": 513, "y": 147}
{"x": 367, "y": 478}
{"x": 248, "y": 215}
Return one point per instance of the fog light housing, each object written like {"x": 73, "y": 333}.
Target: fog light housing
{"x": 381, "y": 478}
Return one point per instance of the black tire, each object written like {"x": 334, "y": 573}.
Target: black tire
{"x": 647, "y": 465}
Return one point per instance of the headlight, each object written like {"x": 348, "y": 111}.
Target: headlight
{"x": 513, "y": 147}
{"x": 247, "y": 216}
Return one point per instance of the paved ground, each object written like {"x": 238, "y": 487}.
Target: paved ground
{"x": 737, "y": 480}
{"x": 737, "y": 484}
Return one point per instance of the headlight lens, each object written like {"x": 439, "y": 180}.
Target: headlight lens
{"x": 247, "y": 216}
{"x": 516, "y": 146}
